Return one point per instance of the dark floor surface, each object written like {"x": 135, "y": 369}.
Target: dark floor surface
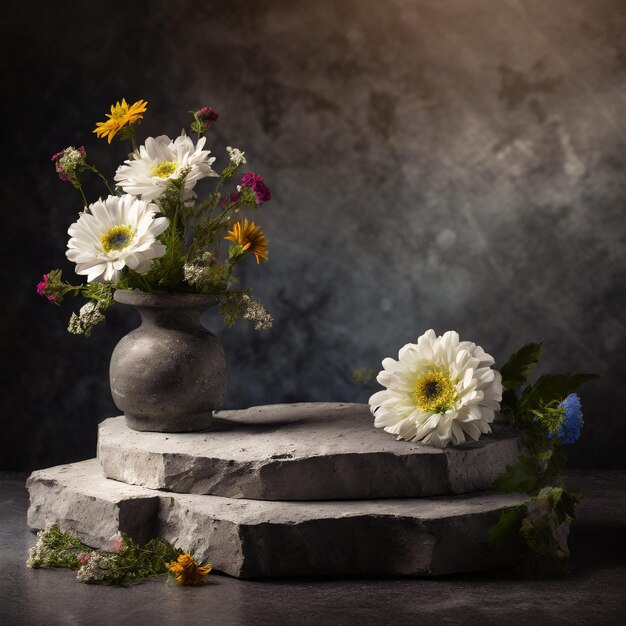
{"x": 593, "y": 594}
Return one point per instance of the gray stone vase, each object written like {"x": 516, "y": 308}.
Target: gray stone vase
{"x": 170, "y": 374}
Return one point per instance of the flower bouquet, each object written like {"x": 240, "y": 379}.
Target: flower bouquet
{"x": 153, "y": 243}
{"x": 152, "y": 233}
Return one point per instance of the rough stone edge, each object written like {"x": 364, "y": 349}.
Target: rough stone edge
{"x": 271, "y": 540}
{"x": 220, "y": 542}
{"x": 253, "y": 480}
{"x": 465, "y": 466}
{"x": 382, "y": 541}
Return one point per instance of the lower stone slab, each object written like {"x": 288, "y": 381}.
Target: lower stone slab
{"x": 305, "y": 451}
{"x": 263, "y": 539}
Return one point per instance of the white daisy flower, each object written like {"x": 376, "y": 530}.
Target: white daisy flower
{"x": 116, "y": 232}
{"x": 161, "y": 160}
{"x": 440, "y": 390}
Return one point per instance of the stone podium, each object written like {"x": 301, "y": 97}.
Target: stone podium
{"x": 285, "y": 490}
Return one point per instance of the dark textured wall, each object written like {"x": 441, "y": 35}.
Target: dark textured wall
{"x": 457, "y": 164}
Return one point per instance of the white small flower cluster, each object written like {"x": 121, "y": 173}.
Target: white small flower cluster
{"x": 193, "y": 274}
{"x": 255, "y": 312}
{"x": 40, "y": 554}
{"x": 88, "y": 317}
{"x": 71, "y": 158}
{"x": 97, "y": 568}
{"x": 236, "y": 156}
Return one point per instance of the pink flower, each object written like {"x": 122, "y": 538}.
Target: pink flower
{"x": 41, "y": 289}
{"x": 255, "y": 182}
{"x": 117, "y": 543}
{"x": 84, "y": 557}
{"x": 207, "y": 116}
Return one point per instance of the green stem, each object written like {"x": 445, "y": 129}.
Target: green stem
{"x": 221, "y": 181}
{"x": 213, "y": 206}
{"x": 175, "y": 225}
{"x": 225, "y": 214}
{"x": 82, "y": 194}
{"x": 102, "y": 178}
{"x": 146, "y": 284}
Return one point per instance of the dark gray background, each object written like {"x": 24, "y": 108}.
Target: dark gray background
{"x": 457, "y": 164}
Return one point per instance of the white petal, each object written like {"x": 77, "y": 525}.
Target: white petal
{"x": 85, "y": 248}
{"x": 478, "y": 391}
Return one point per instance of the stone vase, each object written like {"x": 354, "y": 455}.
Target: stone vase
{"x": 170, "y": 374}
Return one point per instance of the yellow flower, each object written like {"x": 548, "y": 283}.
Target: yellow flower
{"x": 188, "y": 571}
{"x": 121, "y": 115}
{"x": 250, "y": 237}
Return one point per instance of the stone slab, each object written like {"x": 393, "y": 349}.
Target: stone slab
{"x": 261, "y": 539}
{"x": 308, "y": 451}
{"x": 92, "y": 511}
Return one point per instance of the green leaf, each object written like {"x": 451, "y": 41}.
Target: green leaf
{"x": 364, "y": 376}
{"x": 522, "y": 476}
{"x": 546, "y": 527}
{"x": 518, "y": 368}
{"x": 505, "y": 532}
{"x": 555, "y": 464}
{"x": 553, "y": 387}
{"x": 509, "y": 405}
{"x": 563, "y": 502}
{"x": 566, "y": 507}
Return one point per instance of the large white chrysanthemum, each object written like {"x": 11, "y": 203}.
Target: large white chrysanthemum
{"x": 113, "y": 233}
{"x": 440, "y": 390}
{"x": 161, "y": 160}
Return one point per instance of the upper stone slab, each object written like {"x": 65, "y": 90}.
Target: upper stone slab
{"x": 309, "y": 451}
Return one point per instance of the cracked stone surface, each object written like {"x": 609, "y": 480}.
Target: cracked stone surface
{"x": 308, "y": 451}
{"x": 260, "y": 539}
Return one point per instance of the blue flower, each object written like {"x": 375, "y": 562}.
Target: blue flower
{"x": 569, "y": 431}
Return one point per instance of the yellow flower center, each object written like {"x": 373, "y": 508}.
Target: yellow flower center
{"x": 164, "y": 169}
{"x": 435, "y": 392}
{"x": 117, "y": 238}
{"x": 119, "y": 112}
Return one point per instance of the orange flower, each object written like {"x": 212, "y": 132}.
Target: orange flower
{"x": 250, "y": 237}
{"x": 121, "y": 115}
{"x": 188, "y": 571}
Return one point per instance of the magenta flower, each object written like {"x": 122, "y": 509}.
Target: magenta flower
{"x": 255, "y": 182}
{"x": 84, "y": 557}
{"x": 207, "y": 116}
{"x": 66, "y": 162}
{"x": 230, "y": 199}
{"x": 61, "y": 171}
{"x": 41, "y": 289}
